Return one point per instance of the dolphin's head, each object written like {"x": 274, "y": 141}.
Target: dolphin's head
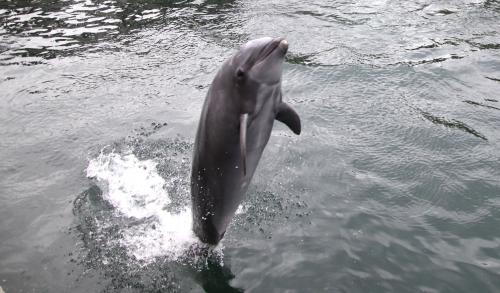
{"x": 256, "y": 68}
{"x": 260, "y": 60}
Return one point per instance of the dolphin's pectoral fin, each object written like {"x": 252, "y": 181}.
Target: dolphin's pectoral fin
{"x": 243, "y": 142}
{"x": 288, "y": 116}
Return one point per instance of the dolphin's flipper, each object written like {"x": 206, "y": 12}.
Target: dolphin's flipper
{"x": 288, "y": 116}
{"x": 243, "y": 142}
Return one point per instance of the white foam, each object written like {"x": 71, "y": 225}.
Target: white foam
{"x": 136, "y": 190}
{"x": 242, "y": 209}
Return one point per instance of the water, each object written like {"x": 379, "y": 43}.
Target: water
{"x": 393, "y": 185}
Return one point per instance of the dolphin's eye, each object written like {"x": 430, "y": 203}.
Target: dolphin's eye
{"x": 240, "y": 74}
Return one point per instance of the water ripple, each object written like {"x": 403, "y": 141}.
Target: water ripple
{"x": 47, "y": 31}
{"x": 391, "y": 187}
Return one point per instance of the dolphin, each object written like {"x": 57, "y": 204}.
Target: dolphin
{"x": 238, "y": 114}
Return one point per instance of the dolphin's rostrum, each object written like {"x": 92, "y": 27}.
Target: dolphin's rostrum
{"x": 238, "y": 115}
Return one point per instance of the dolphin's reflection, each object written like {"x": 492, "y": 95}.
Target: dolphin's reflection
{"x": 214, "y": 277}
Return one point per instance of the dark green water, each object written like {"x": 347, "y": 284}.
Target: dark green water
{"x": 393, "y": 186}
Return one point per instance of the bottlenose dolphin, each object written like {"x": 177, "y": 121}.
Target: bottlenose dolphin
{"x": 236, "y": 121}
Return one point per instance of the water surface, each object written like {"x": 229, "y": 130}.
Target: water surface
{"x": 393, "y": 185}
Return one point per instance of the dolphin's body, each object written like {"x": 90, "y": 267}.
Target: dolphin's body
{"x": 238, "y": 115}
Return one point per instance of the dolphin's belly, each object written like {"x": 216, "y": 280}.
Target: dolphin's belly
{"x": 220, "y": 181}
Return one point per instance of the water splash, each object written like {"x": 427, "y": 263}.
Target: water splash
{"x": 135, "y": 190}
{"x": 133, "y": 187}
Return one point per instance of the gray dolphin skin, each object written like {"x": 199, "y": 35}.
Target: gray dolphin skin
{"x": 236, "y": 121}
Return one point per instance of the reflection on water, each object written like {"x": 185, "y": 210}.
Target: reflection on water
{"x": 48, "y": 29}
{"x": 215, "y": 278}
{"x": 452, "y": 124}
{"x": 481, "y": 104}
{"x": 492, "y": 78}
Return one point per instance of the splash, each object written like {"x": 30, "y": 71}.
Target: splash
{"x": 136, "y": 191}
{"x": 132, "y": 186}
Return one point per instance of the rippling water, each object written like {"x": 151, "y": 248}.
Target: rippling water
{"x": 393, "y": 186}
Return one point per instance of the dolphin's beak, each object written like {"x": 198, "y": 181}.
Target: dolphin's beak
{"x": 283, "y": 45}
{"x": 243, "y": 141}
